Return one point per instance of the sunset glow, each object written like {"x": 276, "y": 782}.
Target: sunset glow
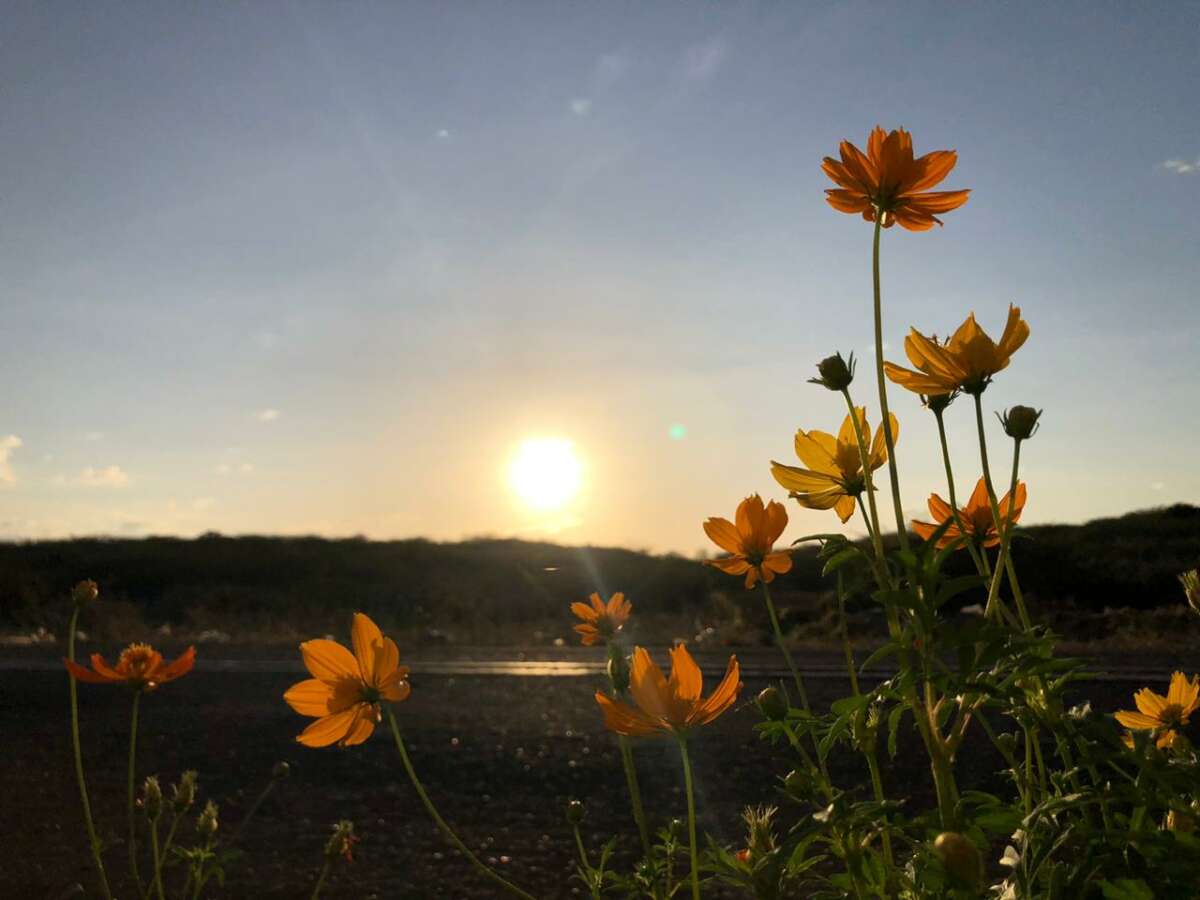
{"x": 545, "y": 473}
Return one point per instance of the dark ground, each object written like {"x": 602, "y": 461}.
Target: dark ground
{"x": 499, "y": 755}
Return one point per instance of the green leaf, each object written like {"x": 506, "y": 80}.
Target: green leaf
{"x": 840, "y": 558}
{"x": 894, "y": 718}
{"x": 1126, "y": 889}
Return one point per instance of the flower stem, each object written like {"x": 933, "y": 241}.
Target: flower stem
{"x": 258, "y": 801}
{"x": 893, "y": 475}
{"x": 156, "y": 880}
{"x": 93, "y": 840}
{"x": 868, "y": 478}
{"x": 158, "y": 859}
{"x": 447, "y": 832}
{"x": 993, "y": 601}
{"x": 691, "y": 806}
{"x": 635, "y": 794}
{"x": 877, "y": 788}
{"x": 133, "y": 732}
{"x": 980, "y": 563}
{"x": 851, "y": 668}
{"x": 320, "y": 881}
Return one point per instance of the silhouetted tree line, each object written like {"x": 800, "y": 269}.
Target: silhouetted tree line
{"x": 1129, "y": 561}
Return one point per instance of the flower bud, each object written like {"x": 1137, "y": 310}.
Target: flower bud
{"x": 152, "y": 797}
{"x": 280, "y": 770}
{"x": 183, "y": 794}
{"x": 937, "y": 403}
{"x": 960, "y": 858}
{"x": 208, "y": 822}
{"x": 677, "y": 829}
{"x": 799, "y": 784}
{"x": 575, "y": 812}
{"x": 1191, "y": 588}
{"x": 1020, "y": 422}
{"x": 760, "y": 833}
{"x": 618, "y": 671}
{"x": 85, "y": 592}
{"x": 1007, "y": 742}
{"x": 835, "y": 372}
{"x": 341, "y": 842}
{"x": 772, "y": 704}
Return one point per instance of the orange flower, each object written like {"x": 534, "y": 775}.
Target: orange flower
{"x": 751, "y": 541}
{"x": 886, "y": 179}
{"x": 600, "y": 621}
{"x": 140, "y": 666}
{"x": 1163, "y": 714}
{"x": 346, "y": 689}
{"x": 668, "y": 707}
{"x": 976, "y": 517}
{"x": 833, "y": 479}
{"x": 967, "y": 361}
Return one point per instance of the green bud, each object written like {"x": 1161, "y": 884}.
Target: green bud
{"x": 208, "y": 822}
{"x": 937, "y": 403}
{"x": 677, "y": 829}
{"x": 835, "y": 373}
{"x": 772, "y": 704}
{"x": 1191, "y": 588}
{"x": 575, "y": 812}
{"x": 799, "y": 784}
{"x": 1021, "y": 422}
{"x": 85, "y": 592}
{"x": 760, "y": 833}
{"x": 152, "y": 797}
{"x": 280, "y": 770}
{"x": 183, "y": 794}
{"x": 1007, "y": 742}
{"x": 960, "y": 858}
{"x": 341, "y": 842}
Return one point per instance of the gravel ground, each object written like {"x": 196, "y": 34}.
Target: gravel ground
{"x": 499, "y": 755}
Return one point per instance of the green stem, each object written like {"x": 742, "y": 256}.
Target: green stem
{"x": 980, "y": 563}
{"x": 864, "y": 457}
{"x": 877, "y": 788}
{"x": 320, "y": 881}
{"x": 93, "y": 840}
{"x": 133, "y": 733}
{"x": 447, "y": 832}
{"x": 691, "y": 806}
{"x": 993, "y": 601}
{"x": 893, "y": 475}
{"x": 1006, "y": 538}
{"x": 258, "y": 801}
{"x": 163, "y": 856}
{"x": 635, "y": 794}
{"x": 1028, "y": 772}
{"x": 851, "y": 668}
{"x": 1013, "y": 764}
{"x": 593, "y": 888}
{"x": 158, "y": 859}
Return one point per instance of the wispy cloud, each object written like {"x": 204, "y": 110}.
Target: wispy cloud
{"x": 110, "y": 476}
{"x": 8, "y": 444}
{"x": 1182, "y": 166}
{"x": 581, "y": 106}
{"x": 268, "y": 415}
{"x": 701, "y": 61}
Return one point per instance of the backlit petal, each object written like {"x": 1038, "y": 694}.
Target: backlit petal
{"x": 686, "y": 681}
{"x": 329, "y": 729}
{"x": 315, "y": 697}
{"x": 362, "y": 726}
{"x": 648, "y": 686}
{"x": 180, "y": 667}
{"x": 585, "y": 612}
{"x": 722, "y": 698}
{"x": 624, "y": 719}
{"x": 328, "y": 660}
{"x": 1136, "y": 720}
{"x": 723, "y": 533}
{"x": 79, "y": 673}
{"x": 1150, "y": 703}
{"x": 793, "y": 478}
{"x": 367, "y": 640}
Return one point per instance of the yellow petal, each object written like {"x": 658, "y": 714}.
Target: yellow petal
{"x": 1183, "y": 692}
{"x": 845, "y": 508}
{"x": 1016, "y": 332}
{"x": 328, "y": 660}
{"x": 1150, "y": 703}
{"x": 817, "y": 450}
{"x": 879, "y": 445}
{"x": 1136, "y": 720}
{"x": 804, "y": 481}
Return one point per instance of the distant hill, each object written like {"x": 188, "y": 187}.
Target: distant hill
{"x": 1128, "y": 561}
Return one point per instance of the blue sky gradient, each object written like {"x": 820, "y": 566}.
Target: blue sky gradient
{"x": 320, "y": 267}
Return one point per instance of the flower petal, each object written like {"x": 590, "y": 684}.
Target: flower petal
{"x": 624, "y": 719}
{"x": 1136, "y": 720}
{"x": 793, "y": 478}
{"x": 79, "y": 673}
{"x": 180, "y": 667}
{"x": 368, "y": 643}
{"x": 722, "y": 698}
{"x": 648, "y": 686}
{"x": 363, "y": 725}
{"x": 585, "y": 612}
{"x": 329, "y": 729}
{"x": 1150, "y": 703}
{"x": 686, "y": 681}
{"x": 314, "y": 697}
{"x": 328, "y": 660}
{"x": 724, "y": 534}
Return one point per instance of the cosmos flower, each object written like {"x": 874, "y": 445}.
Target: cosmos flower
{"x": 668, "y": 707}
{"x": 751, "y": 541}
{"x": 140, "y": 666}
{"x": 601, "y": 621}
{"x": 346, "y": 689}
{"x": 887, "y": 180}
{"x": 834, "y": 477}
{"x": 965, "y": 362}
{"x": 1164, "y": 714}
{"x": 976, "y": 517}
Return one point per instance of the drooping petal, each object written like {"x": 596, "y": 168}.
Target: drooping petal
{"x": 328, "y": 729}
{"x": 396, "y": 691}
{"x": 588, "y": 634}
{"x": 328, "y": 660}
{"x": 626, "y": 720}
{"x": 917, "y": 382}
{"x": 845, "y": 508}
{"x": 827, "y": 499}
{"x": 847, "y": 201}
{"x": 730, "y": 565}
{"x": 778, "y": 562}
{"x": 79, "y": 673}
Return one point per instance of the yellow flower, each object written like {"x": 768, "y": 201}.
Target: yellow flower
{"x": 751, "y": 541}
{"x": 888, "y": 180}
{"x": 966, "y": 362}
{"x": 1164, "y": 714}
{"x": 668, "y": 707}
{"x": 346, "y": 689}
{"x": 834, "y": 477}
{"x": 601, "y": 621}
{"x": 976, "y": 517}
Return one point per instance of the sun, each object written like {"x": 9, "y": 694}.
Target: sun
{"x": 545, "y": 473}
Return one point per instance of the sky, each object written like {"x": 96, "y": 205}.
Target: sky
{"x": 322, "y": 268}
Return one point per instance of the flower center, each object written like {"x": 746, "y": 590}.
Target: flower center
{"x": 370, "y": 694}
{"x": 136, "y": 660}
{"x": 1172, "y": 715}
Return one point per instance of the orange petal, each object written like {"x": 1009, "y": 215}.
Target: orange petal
{"x": 686, "y": 681}
{"x": 730, "y": 565}
{"x": 585, "y": 612}
{"x": 847, "y": 201}
{"x": 328, "y": 660}
{"x": 588, "y": 634}
{"x": 845, "y": 508}
{"x": 779, "y": 562}
{"x": 623, "y": 719}
{"x": 314, "y": 697}
{"x": 79, "y": 673}
{"x": 1136, "y": 720}
{"x": 1016, "y": 332}
{"x": 363, "y": 725}
{"x": 396, "y": 691}
{"x": 648, "y": 686}
{"x": 933, "y": 168}
{"x": 328, "y": 729}
{"x": 936, "y": 201}
{"x": 777, "y": 519}
{"x": 723, "y": 533}
{"x": 722, "y": 698}
{"x": 367, "y": 640}
{"x": 1150, "y": 703}
{"x": 180, "y": 667}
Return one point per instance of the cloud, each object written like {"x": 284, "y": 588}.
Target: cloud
{"x": 268, "y": 415}
{"x": 8, "y": 444}
{"x": 443, "y": 134}
{"x": 1182, "y": 166}
{"x": 581, "y": 106}
{"x": 701, "y": 61}
{"x": 111, "y": 476}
